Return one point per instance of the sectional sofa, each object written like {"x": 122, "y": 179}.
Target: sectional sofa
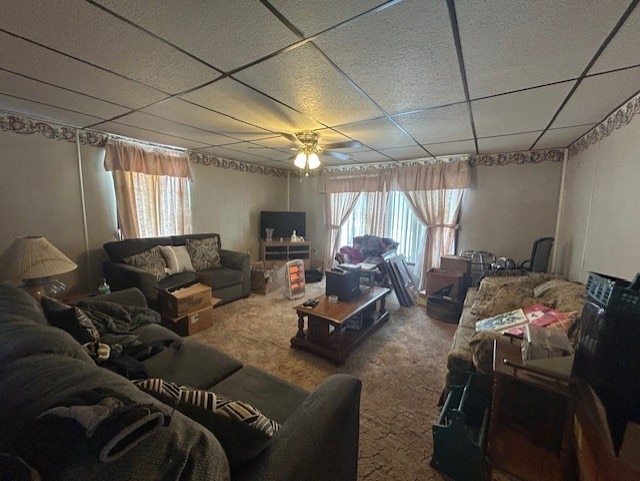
{"x": 48, "y": 381}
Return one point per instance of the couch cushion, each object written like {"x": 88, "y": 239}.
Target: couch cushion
{"x": 276, "y": 398}
{"x": 243, "y": 431}
{"x": 70, "y": 319}
{"x": 221, "y": 277}
{"x": 204, "y": 253}
{"x": 118, "y": 250}
{"x": 177, "y": 258}
{"x": 151, "y": 261}
{"x": 177, "y": 280}
{"x": 191, "y": 363}
{"x": 19, "y": 302}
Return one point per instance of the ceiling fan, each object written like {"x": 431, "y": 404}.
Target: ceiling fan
{"x": 309, "y": 150}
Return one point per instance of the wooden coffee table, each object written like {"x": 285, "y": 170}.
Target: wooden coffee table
{"x": 334, "y": 330}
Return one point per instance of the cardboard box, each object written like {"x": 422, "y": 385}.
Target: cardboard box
{"x": 439, "y": 278}
{"x": 178, "y": 302}
{"x": 265, "y": 280}
{"x": 456, "y": 263}
{"x": 192, "y": 322}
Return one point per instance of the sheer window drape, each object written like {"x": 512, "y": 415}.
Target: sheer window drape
{"x": 337, "y": 209}
{"x": 434, "y": 192}
{"x": 438, "y": 210}
{"x": 152, "y": 189}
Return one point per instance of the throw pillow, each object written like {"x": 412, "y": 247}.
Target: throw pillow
{"x": 150, "y": 261}
{"x": 177, "y": 259}
{"x": 204, "y": 253}
{"x": 70, "y": 319}
{"x": 242, "y": 430}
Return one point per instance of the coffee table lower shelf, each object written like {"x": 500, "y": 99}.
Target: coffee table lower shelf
{"x": 333, "y": 332}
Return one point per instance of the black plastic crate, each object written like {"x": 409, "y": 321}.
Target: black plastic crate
{"x": 613, "y": 293}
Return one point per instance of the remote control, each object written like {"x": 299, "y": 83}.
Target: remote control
{"x": 311, "y": 303}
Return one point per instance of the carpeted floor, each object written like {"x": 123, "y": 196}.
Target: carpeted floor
{"x": 401, "y": 367}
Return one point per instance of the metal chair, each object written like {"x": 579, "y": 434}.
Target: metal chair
{"x": 540, "y": 253}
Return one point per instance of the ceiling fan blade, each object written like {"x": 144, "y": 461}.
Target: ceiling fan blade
{"x": 337, "y": 155}
{"x": 290, "y": 137}
{"x": 350, "y": 144}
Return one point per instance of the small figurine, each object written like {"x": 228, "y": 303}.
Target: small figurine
{"x": 294, "y": 237}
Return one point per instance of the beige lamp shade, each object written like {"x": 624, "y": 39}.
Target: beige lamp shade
{"x": 33, "y": 258}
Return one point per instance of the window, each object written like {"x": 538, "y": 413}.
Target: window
{"x": 399, "y": 223}
{"x": 152, "y": 187}
{"x": 163, "y": 204}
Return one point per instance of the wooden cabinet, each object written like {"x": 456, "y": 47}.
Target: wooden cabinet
{"x": 285, "y": 251}
{"x": 530, "y": 432}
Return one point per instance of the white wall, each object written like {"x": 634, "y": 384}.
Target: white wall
{"x": 304, "y": 196}
{"x": 509, "y": 206}
{"x": 600, "y": 225}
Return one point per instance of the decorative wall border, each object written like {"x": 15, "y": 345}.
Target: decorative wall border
{"x": 617, "y": 119}
{"x": 526, "y": 157}
{"x": 24, "y": 126}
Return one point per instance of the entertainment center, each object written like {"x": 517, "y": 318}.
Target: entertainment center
{"x": 285, "y": 251}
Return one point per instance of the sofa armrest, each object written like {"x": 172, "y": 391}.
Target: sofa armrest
{"x": 319, "y": 441}
{"x": 239, "y": 261}
{"x": 123, "y": 276}
{"x": 126, "y": 297}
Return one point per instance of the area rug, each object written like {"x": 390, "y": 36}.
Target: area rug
{"x": 401, "y": 366}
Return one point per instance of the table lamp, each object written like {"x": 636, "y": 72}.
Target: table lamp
{"x": 34, "y": 260}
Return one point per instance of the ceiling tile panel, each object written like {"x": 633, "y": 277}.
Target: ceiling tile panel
{"x": 196, "y": 116}
{"x": 441, "y": 124}
{"x": 22, "y": 87}
{"x": 507, "y": 143}
{"x": 452, "y": 148}
{"x": 45, "y": 112}
{"x": 37, "y": 62}
{"x": 232, "y": 98}
{"x": 304, "y": 80}
{"x": 278, "y": 142}
{"x": 377, "y": 134}
{"x": 369, "y": 156}
{"x": 561, "y": 138}
{"x": 511, "y": 45}
{"x": 77, "y": 28}
{"x": 406, "y": 153}
{"x": 257, "y": 150}
{"x": 157, "y": 124}
{"x": 316, "y": 16}
{"x": 222, "y": 33}
{"x": 597, "y": 96}
{"x": 403, "y": 57}
{"x": 147, "y": 135}
{"x": 518, "y": 112}
{"x": 624, "y": 48}
{"x": 227, "y": 153}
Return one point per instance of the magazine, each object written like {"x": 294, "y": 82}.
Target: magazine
{"x": 503, "y": 321}
{"x": 541, "y": 315}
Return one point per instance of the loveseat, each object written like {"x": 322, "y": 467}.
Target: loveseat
{"x": 472, "y": 351}
{"x": 230, "y": 281}
{"x": 47, "y": 380}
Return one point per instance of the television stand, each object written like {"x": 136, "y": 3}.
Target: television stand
{"x": 282, "y": 252}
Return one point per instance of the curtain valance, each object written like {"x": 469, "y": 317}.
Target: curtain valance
{"x": 450, "y": 175}
{"x": 132, "y": 157}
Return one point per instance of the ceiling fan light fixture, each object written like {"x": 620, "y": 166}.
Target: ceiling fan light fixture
{"x": 314, "y": 160}
{"x": 300, "y": 160}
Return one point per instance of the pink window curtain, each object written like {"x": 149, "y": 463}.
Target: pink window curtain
{"x": 438, "y": 210}
{"x": 151, "y": 187}
{"x": 338, "y": 207}
{"x": 434, "y": 192}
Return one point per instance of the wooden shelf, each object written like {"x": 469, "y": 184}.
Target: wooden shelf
{"x": 285, "y": 251}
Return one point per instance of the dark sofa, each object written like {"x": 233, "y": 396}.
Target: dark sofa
{"x": 42, "y": 366}
{"x": 229, "y": 282}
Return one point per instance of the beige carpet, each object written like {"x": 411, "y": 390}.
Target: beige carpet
{"x": 401, "y": 367}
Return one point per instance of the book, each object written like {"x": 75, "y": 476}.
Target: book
{"x": 502, "y": 322}
{"x": 542, "y": 316}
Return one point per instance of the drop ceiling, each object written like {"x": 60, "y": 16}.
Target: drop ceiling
{"x": 408, "y": 79}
